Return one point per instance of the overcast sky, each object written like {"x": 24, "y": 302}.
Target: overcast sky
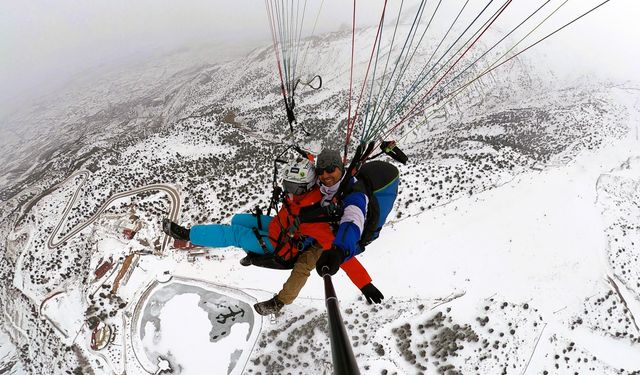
{"x": 45, "y": 41}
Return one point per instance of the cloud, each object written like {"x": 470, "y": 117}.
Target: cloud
{"x": 43, "y": 43}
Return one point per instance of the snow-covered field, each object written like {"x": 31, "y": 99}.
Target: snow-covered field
{"x": 513, "y": 246}
{"x": 536, "y": 274}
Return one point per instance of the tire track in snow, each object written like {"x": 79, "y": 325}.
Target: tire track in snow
{"x": 624, "y": 300}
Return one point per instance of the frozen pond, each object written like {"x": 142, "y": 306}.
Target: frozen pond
{"x": 196, "y": 326}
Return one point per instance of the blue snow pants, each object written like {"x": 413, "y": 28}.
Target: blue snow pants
{"x": 239, "y": 234}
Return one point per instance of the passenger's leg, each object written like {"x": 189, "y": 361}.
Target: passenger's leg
{"x": 251, "y": 221}
{"x": 301, "y": 270}
{"x": 221, "y": 235}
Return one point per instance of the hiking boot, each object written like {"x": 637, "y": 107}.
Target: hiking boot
{"x": 268, "y": 307}
{"x": 248, "y": 260}
{"x": 174, "y": 230}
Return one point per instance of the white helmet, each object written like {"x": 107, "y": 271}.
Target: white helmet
{"x": 299, "y": 177}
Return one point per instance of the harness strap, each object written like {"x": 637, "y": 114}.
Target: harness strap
{"x": 263, "y": 244}
{"x": 258, "y": 215}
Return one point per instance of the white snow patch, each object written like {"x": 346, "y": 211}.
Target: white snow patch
{"x": 185, "y": 334}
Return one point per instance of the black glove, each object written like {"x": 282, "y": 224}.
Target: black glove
{"x": 332, "y": 259}
{"x": 372, "y": 294}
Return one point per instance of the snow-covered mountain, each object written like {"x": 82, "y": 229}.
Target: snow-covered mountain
{"x": 512, "y": 247}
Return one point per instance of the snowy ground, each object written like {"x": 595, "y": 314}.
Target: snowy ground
{"x": 519, "y": 277}
{"x": 537, "y": 274}
{"x": 538, "y": 241}
{"x": 512, "y": 248}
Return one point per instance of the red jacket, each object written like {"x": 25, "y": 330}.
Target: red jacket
{"x": 356, "y": 272}
{"x": 281, "y": 228}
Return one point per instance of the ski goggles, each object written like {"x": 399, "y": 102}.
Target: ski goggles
{"x": 328, "y": 169}
{"x": 295, "y": 188}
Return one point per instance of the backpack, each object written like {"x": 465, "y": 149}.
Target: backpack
{"x": 379, "y": 180}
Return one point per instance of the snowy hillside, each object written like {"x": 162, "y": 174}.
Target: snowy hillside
{"x": 512, "y": 248}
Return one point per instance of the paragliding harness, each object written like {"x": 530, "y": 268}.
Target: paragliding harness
{"x": 276, "y": 260}
{"x": 379, "y": 181}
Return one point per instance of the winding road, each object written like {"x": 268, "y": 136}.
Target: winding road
{"x": 174, "y": 196}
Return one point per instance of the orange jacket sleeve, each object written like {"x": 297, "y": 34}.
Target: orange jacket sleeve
{"x": 356, "y": 272}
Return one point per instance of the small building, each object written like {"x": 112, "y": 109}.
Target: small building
{"x": 195, "y": 253}
{"x": 181, "y": 244}
{"x": 131, "y": 229}
{"x": 131, "y": 225}
{"x": 103, "y": 268}
{"x": 101, "y": 336}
